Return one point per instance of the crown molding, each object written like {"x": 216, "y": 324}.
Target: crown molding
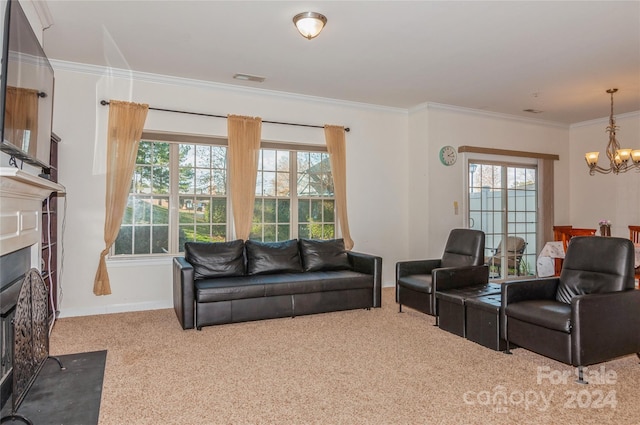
{"x": 188, "y": 82}
{"x": 480, "y": 112}
{"x": 605, "y": 120}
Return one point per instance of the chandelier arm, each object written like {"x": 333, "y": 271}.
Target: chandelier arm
{"x": 599, "y": 169}
{"x": 623, "y": 168}
{"x": 629, "y": 167}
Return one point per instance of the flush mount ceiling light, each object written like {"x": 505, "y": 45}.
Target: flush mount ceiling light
{"x": 618, "y": 158}
{"x": 309, "y": 24}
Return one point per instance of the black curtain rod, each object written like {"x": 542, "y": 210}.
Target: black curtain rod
{"x": 347, "y": 129}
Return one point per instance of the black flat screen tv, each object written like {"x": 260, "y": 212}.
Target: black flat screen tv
{"x": 27, "y": 82}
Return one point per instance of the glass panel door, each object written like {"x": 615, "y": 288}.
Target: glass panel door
{"x": 502, "y": 203}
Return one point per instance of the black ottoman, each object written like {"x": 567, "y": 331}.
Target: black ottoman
{"x": 451, "y": 305}
{"x": 483, "y": 321}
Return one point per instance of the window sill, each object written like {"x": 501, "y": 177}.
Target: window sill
{"x": 140, "y": 262}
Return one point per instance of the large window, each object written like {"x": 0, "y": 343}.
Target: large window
{"x": 179, "y": 194}
{"x": 191, "y": 177}
{"x": 145, "y": 224}
{"x": 202, "y": 200}
{"x": 307, "y": 211}
{"x": 316, "y": 202}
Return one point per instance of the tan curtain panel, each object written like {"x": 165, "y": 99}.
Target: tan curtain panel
{"x": 244, "y": 146}
{"x": 21, "y": 118}
{"x": 126, "y": 121}
{"x": 336, "y": 146}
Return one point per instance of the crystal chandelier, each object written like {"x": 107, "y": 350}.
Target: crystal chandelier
{"x": 618, "y": 158}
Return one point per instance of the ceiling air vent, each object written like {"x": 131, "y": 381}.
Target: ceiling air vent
{"x": 533, "y": 111}
{"x": 248, "y": 77}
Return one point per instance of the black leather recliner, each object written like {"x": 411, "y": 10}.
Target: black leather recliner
{"x": 587, "y": 315}
{"x": 461, "y": 265}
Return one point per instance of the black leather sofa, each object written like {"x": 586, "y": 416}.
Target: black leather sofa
{"x": 238, "y": 281}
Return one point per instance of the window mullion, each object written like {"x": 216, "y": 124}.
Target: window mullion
{"x": 173, "y": 196}
{"x": 505, "y": 220}
{"x": 293, "y": 193}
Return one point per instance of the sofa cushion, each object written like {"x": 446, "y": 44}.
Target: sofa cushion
{"x": 324, "y": 255}
{"x": 228, "y": 288}
{"x": 270, "y": 285}
{"x": 273, "y": 257}
{"x": 215, "y": 259}
{"x": 325, "y": 281}
{"x": 418, "y": 282}
{"x": 549, "y": 314}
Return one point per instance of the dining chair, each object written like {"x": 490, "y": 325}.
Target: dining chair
{"x": 564, "y": 234}
{"x": 634, "y": 235}
{"x": 559, "y": 233}
{"x": 574, "y": 231}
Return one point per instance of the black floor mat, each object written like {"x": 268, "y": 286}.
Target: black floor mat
{"x": 64, "y": 397}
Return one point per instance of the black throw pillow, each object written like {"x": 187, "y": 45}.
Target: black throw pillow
{"x": 324, "y": 255}
{"x": 215, "y": 259}
{"x": 273, "y": 257}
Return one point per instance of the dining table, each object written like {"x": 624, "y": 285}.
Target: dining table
{"x": 545, "y": 264}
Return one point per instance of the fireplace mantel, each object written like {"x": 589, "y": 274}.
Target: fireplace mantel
{"x": 17, "y": 183}
{"x": 21, "y": 196}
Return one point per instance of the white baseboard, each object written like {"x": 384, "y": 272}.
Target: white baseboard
{"x": 115, "y": 308}
{"x": 124, "y": 308}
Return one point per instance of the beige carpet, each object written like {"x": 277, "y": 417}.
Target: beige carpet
{"x": 352, "y": 367}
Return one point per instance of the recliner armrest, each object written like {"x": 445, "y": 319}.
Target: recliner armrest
{"x": 532, "y": 289}
{"x": 183, "y": 292}
{"x": 369, "y": 264}
{"x": 598, "y": 337}
{"x": 459, "y": 277}
{"x": 407, "y": 268}
{"x": 522, "y": 290}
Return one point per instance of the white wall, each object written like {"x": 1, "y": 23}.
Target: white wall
{"x": 604, "y": 196}
{"x": 437, "y": 187}
{"x": 417, "y": 229}
{"x": 400, "y": 196}
{"x": 376, "y": 159}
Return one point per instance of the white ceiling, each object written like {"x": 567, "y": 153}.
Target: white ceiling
{"x": 501, "y": 56}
